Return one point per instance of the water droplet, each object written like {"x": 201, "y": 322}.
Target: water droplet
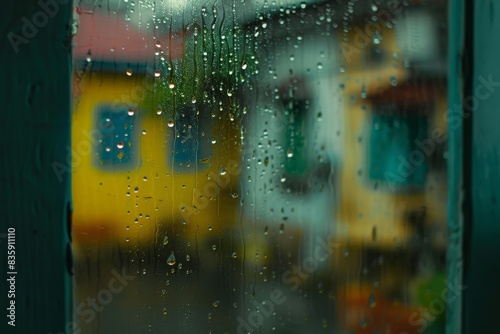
{"x": 244, "y": 65}
{"x": 216, "y": 303}
{"x": 165, "y": 240}
{"x": 144, "y": 178}
{"x": 159, "y": 111}
{"x": 303, "y": 5}
{"x": 363, "y": 92}
{"x": 188, "y": 258}
{"x": 234, "y": 255}
{"x": 214, "y": 247}
{"x": 320, "y": 66}
{"x": 223, "y": 171}
{"x": 128, "y": 72}
{"x": 170, "y": 123}
{"x": 157, "y": 74}
{"x": 371, "y": 301}
{"x": 289, "y": 153}
{"x": 74, "y": 27}
{"x": 120, "y": 145}
{"x": 171, "y": 260}
{"x": 131, "y": 112}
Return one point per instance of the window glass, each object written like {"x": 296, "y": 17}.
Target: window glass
{"x": 260, "y": 166}
{"x": 115, "y": 137}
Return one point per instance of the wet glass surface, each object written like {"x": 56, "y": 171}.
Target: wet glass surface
{"x": 260, "y": 166}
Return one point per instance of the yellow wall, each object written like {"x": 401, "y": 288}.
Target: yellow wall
{"x": 103, "y": 210}
{"x": 362, "y": 208}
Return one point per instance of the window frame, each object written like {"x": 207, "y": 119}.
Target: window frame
{"x": 37, "y": 82}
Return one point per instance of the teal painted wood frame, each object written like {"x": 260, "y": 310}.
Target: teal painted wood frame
{"x": 456, "y": 179}
{"x": 482, "y": 296}
{"x": 35, "y": 87}
{"x": 35, "y": 110}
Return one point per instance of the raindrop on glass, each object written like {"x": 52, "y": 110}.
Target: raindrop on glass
{"x": 171, "y": 259}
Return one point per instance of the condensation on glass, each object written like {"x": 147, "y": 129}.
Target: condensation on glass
{"x": 247, "y": 166}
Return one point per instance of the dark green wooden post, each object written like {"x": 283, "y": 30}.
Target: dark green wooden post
{"x": 456, "y": 177}
{"x": 35, "y": 83}
{"x": 482, "y": 302}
